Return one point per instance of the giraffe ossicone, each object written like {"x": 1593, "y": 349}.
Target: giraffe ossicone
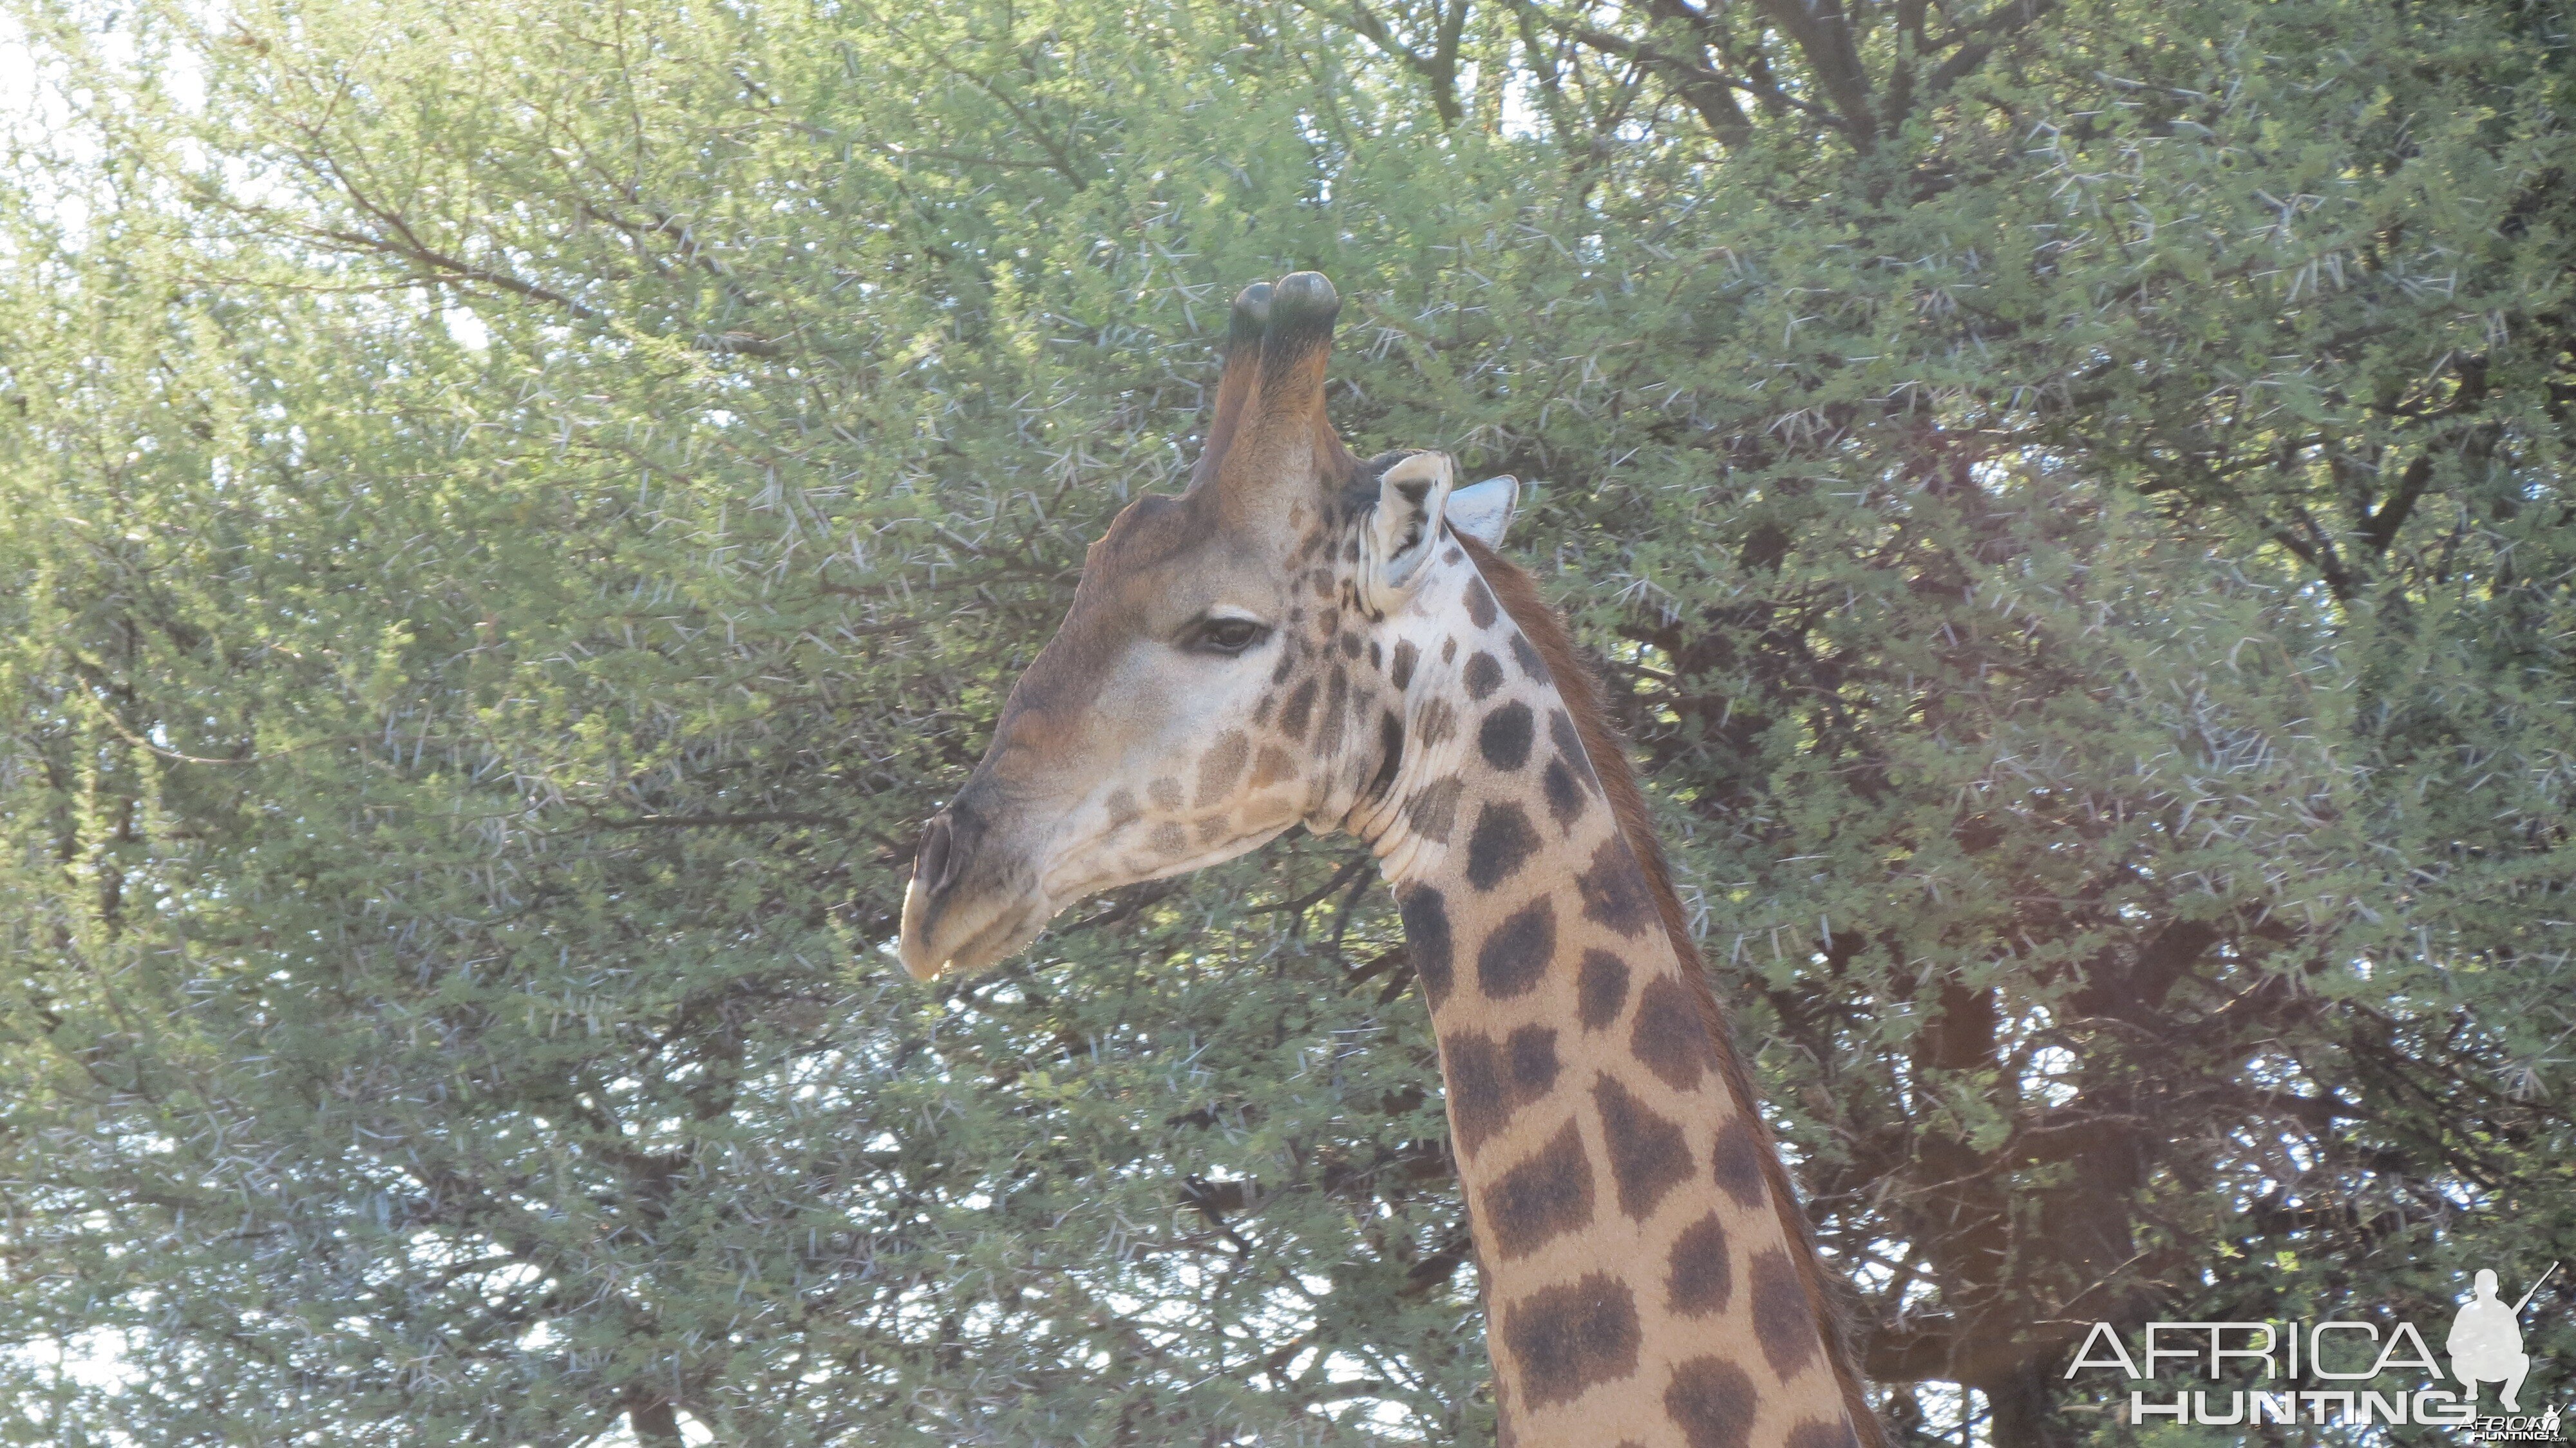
{"x": 1304, "y": 637}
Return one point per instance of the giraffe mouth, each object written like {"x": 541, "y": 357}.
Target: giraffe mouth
{"x": 982, "y": 937}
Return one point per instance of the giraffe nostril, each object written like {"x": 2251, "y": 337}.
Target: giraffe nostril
{"x": 931, "y": 868}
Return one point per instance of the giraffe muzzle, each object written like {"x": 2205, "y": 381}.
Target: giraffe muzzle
{"x": 965, "y": 909}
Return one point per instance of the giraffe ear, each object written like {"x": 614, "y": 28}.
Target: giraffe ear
{"x": 1412, "y": 494}
{"x": 1483, "y": 510}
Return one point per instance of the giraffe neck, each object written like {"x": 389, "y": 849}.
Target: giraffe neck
{"x": 1641, "y": 1288}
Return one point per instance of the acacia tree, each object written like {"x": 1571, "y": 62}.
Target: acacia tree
{"x": 515, "y": 511}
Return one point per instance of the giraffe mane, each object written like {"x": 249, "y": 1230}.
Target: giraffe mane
{"x": 1608, "y": 749}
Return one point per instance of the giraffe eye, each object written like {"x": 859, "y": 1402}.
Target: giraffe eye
{"x": 1227, "y": 636}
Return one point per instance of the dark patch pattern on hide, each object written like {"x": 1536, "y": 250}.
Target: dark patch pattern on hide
{"x": 1425, "y": 912}
{"x": 1390, "y": 753}
{"x": 1566, "y": 800}
{"x": 1543, "y": 1198}
{"x": 1736, "y": 1161}
{"x": 1514, "y": 957}
{"x": 1600, "y": 989}
{"x": 1300, "y": 709}
{"x": 1504, "y": 737}
{"x": 1489, "y": 1083}
{"x": 1614, "y": 890}
{"x": 1571, "y": 1338}
{"x": 1670, "y": 1036}
{"x": 1433, "y": 810}
{"x": 1222, "y": 765}
{"x": 1701, "y": 1277}
{"x": 1273, "y": 765}
{"x": 1480, "y": 603}
{"x": 1499, "y": 845}
{"x": 1784, "y": 1321}
{"x": 1711, "y": 1401}
{"x": 1823, "y": 1435}
{"x": 1526, "y": 654}
{"x": 1648, "y": 1154}
{"x": 1480, "y": 1101}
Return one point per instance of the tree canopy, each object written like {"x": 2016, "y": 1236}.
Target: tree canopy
{"x": 512, "y": 513}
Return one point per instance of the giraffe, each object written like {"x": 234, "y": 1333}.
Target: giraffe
{"x": 1303, "y": 637}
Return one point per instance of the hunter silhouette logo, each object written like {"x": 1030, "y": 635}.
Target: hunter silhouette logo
{"x": 2486, "y": 1341}
{"x": 2333, "y": 1372}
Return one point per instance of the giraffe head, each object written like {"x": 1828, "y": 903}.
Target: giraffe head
{"x": 1227, "y": 669}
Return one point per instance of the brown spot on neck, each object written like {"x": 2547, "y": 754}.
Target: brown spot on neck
{"x": 1569, "y": 1338}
